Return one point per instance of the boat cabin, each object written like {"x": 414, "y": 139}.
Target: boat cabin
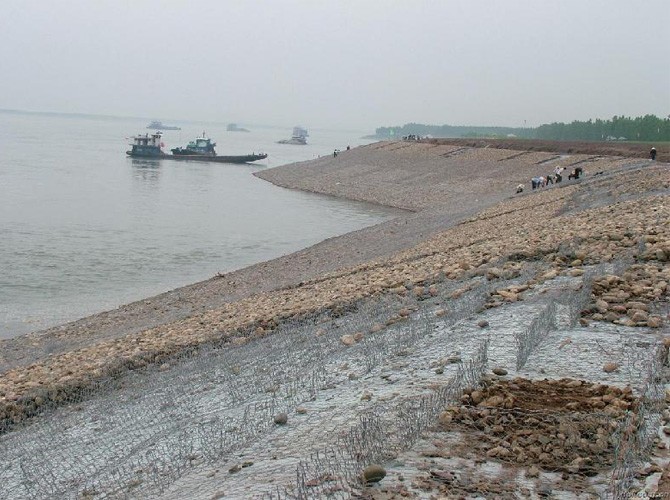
{"x": 147, "y": 145}
{"x": 198, "y": 147}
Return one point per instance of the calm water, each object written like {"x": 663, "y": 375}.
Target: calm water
{"x": 83, "y": 228}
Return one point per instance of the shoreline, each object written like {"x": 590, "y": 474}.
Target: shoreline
{"x": 545, "y": 286}
{"x": 424, "y": 216}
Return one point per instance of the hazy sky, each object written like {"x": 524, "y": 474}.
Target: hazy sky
{"x": 340, "y": 64}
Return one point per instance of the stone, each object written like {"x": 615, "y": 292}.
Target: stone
{"x": 493, "y": 273}
{"x": 301, "y": 410}
{"x": 482, "y": 323}
{"x": 374, "y": 473}
{"x": 654, "y": 322}
{"x": 446, "y": 417}
{"x": 440, "y": 312}
{"x": 366, "y": 396}
{"x": 348, "y": 340}
{"x": 377, "y": 327}
{"x": 610, "y": 367}
{"x": 549, "y": 275}
{"x": 281, "y": 418}
{"x": 404, "y": 312}
{"x": 501, "y": 372}
{"x": 477, "y": 397}
{"x": 358, "y": 336}
{"x": 602, "y": 306}
{"x": 639, "y": 316}
{"x": 235, "y": 468}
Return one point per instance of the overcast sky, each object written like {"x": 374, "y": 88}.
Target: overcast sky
{"x": 355, "y": 64}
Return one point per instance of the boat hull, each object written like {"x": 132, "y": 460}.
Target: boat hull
{"x": 218, "y": 159}
{"x": 214, "y": 159}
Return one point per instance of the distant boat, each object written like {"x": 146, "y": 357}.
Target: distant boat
{"x": 298, "y": 137}
{"x": 156, "y": 125}
{"x": 232, "y": 127}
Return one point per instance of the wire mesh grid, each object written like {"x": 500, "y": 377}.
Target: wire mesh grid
{"x": 133, "y": 436}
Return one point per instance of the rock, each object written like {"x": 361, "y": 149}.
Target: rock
{"x": 550, "y": 274}
{"x": 358, "y": 336}
{"x": 404, "y": 312}
{"x": 235, "y": 468}
{"x": 654, "y": 321}
{"x": 366, "y": 396}
{"x": 602, "y": 306}
{"x": 301, "y": 410}
{"x": 377, "y": 327}
{"x": 584, "y": 321}
{"x": 454, "y": 359}
{"x": 639, "y": 316}
{"x": 666, "y": 430}
{"x": 477, "y": 397}
{"x": 440, "y": 312}
{"x": 610, "y": 367}
{"x": 493, "y": 273}
{"x": 348, "y": 340}
{"x": 374, "y": 473}
{"x": 281, "y": 418}
{"x": 501, "y": 372}
{"x": 445, "y": 418}
{"x": 494, "y": 401}
{"x": 439, "y": 370}
{"x": 482, "y": 323}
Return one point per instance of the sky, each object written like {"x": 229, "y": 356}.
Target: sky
{"x": 341, "y": 64}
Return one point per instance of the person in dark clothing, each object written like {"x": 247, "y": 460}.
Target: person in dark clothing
{"x": 652, "y": 154}
{"x": 576, "y": 174}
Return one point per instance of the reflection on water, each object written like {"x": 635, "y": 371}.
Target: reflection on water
{"x": 146, "y": 170}
{"x": 86, "y": 228}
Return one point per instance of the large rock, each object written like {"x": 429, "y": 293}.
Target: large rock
{"x": 374, "y": 473}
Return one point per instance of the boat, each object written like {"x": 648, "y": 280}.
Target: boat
{"x": 298, "y": 137}
{"x": 200, "y": 149}
{"x": 221, "y": 159}
{"x": 156, "y": 125}
{"x": 201, "y": 146}
{"x": 147, "y": 146}
{"x": 232, "y": 127}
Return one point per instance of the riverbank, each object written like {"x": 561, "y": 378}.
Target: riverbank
{"x": 468, "y": 233}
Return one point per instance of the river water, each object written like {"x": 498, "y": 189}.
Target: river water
{"x": 84, "y": 229}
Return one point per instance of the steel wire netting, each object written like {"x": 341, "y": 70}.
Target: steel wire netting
{"x": 136, "y": 435}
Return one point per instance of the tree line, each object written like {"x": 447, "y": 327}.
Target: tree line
{"x": 648, "y": 128}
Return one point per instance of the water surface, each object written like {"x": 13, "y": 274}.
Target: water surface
{"x": 85, "y": 229}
